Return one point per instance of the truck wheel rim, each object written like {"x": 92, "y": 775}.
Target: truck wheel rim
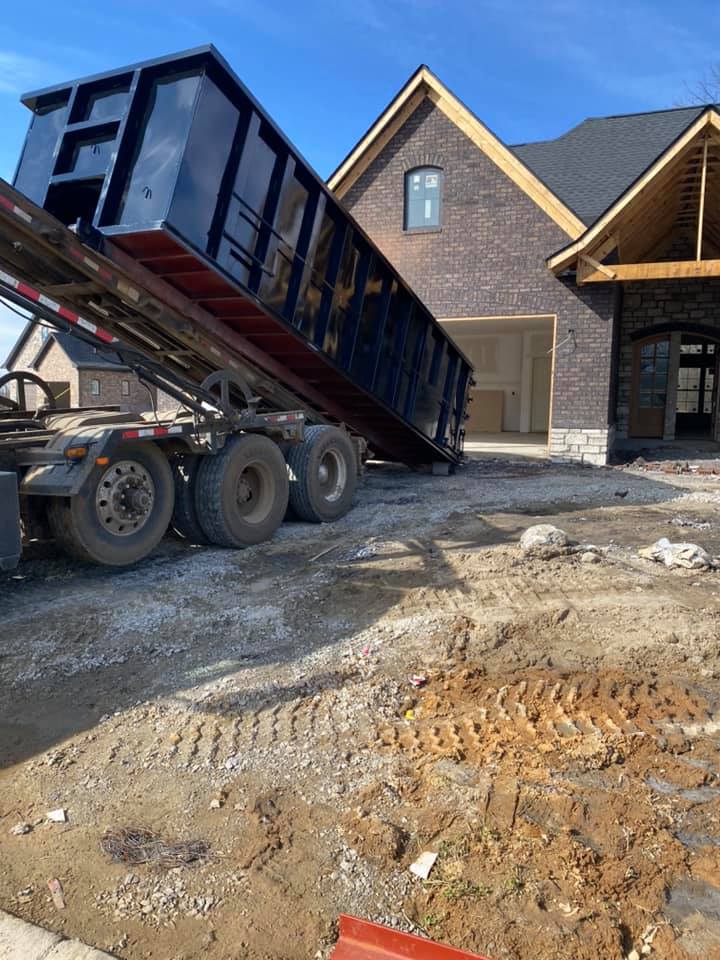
{"x": 125, "y": 498}
{"x": 332, "y": 474}
{"x": 255, "y": 492}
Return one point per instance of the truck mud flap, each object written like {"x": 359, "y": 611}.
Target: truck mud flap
{"x": 10, "y": 542}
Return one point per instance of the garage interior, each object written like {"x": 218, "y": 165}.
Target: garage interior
{"x": 512, "y": 357}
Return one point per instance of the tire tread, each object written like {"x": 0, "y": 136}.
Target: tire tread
{"x": 209, "y": 493}
{"x": 298, "y": 460}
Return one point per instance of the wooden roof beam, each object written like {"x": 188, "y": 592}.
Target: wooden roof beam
{"x": 701, "y": 210}
{"x": 649, "y": 184}
{"x": 661, "y": 270}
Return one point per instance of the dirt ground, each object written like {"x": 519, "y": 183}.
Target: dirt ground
{"x": 562, "y": 757}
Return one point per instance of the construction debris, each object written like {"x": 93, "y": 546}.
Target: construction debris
{"x": 20, "y": 829}
{"x": 545, "y": 541}
{"x": 57, "y": 893}
{"x": 687, "y": 555}
{"x": 424, "y": 864}
{"x": 57, "y": 816}
{"x": 688, "y": 522}
{"x": 136, "y": 845}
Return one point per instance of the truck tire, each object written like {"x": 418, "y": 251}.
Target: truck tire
{"x": 241, "y": 493}
{"x": 185, "y": 521}
{"x": 123, "y": 511}
{"x": 323, "y": 475}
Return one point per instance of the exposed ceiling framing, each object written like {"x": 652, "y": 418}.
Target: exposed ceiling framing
{"x": 666, "y": 225}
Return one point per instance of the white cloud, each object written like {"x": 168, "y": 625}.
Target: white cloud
{"x": 18, "y": 72}
{"x": 635, "y": 49}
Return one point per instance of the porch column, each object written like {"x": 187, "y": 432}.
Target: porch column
{"x": 671, "y": 389}
{"x": 580, "y": 424}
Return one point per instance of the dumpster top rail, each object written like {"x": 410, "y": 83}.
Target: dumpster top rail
{"x": 174, "y": 164}
{"x": 115, "y": 303}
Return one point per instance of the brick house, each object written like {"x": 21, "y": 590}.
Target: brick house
{"x": 77, "y": 374}
{"x": 579, "y": 274}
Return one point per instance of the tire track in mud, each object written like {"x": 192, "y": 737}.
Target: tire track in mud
{"x": 501, "y": 596}
{"x": 470, "y": 717}
{"x": 211, "y": 738}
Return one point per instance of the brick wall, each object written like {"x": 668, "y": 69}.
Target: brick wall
{"x": 647, "y": 305}
{"x": 111, "y": 390}
{"x": 55, "y": 366}
{"x": 487, "y": 259}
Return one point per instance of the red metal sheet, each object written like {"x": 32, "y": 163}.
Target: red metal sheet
{"x": 362, "y": 940}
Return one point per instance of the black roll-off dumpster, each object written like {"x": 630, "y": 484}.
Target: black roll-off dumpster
{"x": 178, "y": 163}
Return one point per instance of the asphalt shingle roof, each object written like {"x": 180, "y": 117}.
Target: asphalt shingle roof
{"x": 79, "y": 353}
{"x": 82, "y": 354}
{"x": 590, "y": 166}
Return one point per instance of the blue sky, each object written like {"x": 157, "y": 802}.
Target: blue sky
{"x": 324, "y": 70}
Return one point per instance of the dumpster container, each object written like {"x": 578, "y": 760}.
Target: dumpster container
{"x": 178, "y": 163}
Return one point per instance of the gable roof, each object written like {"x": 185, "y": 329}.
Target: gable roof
{"x": 84, "y": 356}
{"x": 19, "y": 344}
{"x": 653, "y": 179}
{"x": 590, "y": 166}
{"x": 81, "y": 355}
{"x": 424, "y": 84}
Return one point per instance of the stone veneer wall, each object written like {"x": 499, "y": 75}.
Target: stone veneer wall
{"x": 678, "y": 303}
{"x": 587, "y": 446}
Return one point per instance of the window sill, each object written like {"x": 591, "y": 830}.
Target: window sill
{"x": 415, "y": 231}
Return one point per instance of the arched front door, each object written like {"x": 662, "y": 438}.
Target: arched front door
{"x": 649, "y": 386}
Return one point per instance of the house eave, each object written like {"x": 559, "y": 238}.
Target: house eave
{"x": 424, "y": 84}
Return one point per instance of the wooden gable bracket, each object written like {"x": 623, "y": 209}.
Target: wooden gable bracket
{"x": 588, "y": 267}
{"x": 662, "y": 270}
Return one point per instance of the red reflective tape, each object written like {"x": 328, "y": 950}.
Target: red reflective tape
{"x": 130, "y": 434}
{"x": 28, "y": 292}
{"x": 105, "y": 273}
{"x": 8, "y": 204}
{"x": 68, "y": 315}
{"x": 160, "y": 431}
{"x": 104, "y": 335}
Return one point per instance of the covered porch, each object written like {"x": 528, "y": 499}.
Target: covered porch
{"x": 660, "y": 245}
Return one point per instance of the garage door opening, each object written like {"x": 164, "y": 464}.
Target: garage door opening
{"x": 510, "y": 402}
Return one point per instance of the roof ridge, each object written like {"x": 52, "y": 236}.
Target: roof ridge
{"x": 648, "y": 113}
{"x": 614, "y": 116}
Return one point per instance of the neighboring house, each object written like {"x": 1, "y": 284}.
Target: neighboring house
{"x": 77, "y": 374}
{"x": 579, "y": 274}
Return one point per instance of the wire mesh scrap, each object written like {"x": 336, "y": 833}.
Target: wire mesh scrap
{"x": 137, "y": 845}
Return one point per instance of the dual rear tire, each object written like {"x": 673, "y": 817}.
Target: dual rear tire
{"x": 236, "y": 498}
{"x": 323, "y": 475}
{"x": 240, "y": 496}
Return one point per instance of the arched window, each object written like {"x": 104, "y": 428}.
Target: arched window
{"x": 423, "y": 195}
